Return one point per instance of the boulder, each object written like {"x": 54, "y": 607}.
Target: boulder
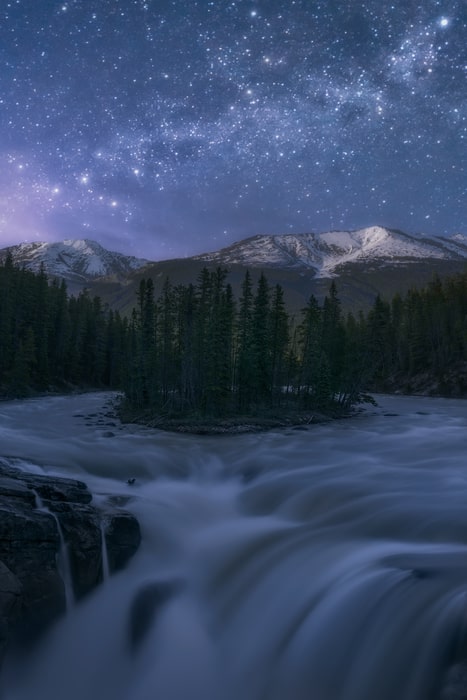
{"x": 10, "y": 605}
{"x": 40, "y": 517}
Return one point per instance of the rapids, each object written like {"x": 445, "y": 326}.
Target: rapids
{"x": 320, "y": 564}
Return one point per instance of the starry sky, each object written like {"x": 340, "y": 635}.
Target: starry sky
{"x": 165, "y": 128}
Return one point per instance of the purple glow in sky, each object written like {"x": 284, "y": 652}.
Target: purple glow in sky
{"x": 164, "y": 128}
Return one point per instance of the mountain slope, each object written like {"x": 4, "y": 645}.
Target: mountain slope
{"x": 367, "y": 262}
{"x": 77, "y": 261}
{"x": 324, "y": 253}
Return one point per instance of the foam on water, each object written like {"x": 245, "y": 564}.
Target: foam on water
{"x": 330, "y": 563}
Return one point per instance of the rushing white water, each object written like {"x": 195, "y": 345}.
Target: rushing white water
{"x": 64, "y": 564}
{"x": 325, "y": 564}
{"x": 105, "y": 554}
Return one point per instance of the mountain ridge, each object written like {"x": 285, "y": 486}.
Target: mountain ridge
{"x": 73, "y": 259}
{"x": 324, "y": 252}
{"x": 370, "y": 261}
{"x": 318, "y": 252}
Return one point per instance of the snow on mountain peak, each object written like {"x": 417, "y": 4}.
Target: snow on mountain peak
{"x": 76, "y": 260}
{"x": 82, "y": 260}
{"x": 325, "y": 252}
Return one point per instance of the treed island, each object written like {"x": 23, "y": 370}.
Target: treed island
{"x": 196, "y": 355}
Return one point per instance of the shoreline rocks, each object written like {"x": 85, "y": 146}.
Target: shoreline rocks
{"x": 38, "y": 516}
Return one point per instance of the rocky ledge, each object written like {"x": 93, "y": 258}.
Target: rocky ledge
{"x": 50, "y": 532}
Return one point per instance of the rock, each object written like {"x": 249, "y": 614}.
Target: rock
{"x": 10, "y": 605}
{"x": 47, "y": 487}
{"x": 29, "y": 543}
{"x": 32, "y": 592}
{"x": 123, "y": 536}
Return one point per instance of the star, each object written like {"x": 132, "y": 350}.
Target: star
{"x": 171, "y": 123}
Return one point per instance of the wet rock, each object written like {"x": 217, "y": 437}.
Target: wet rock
{"x": 10, "y": 605}
{"x": 12, "y": 488}
{"x": 32, "y": 592}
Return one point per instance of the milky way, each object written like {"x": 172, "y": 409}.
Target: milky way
{"x": 168, "y": 128}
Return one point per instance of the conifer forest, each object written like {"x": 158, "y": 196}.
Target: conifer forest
{"x": 198, "y": 350}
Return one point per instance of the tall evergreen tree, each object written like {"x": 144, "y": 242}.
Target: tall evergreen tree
{"x": 261, "y": 347}
{"x": 279, "y": 332}
{"x": 311, "y": 351}
{"x": 333, "y": 339}
{"x": 245, "y": 343}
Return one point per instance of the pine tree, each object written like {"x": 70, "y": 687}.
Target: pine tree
{"x": 244, "y": 364}
{"x": 333, "y": 339}
{"x": 217, "y": 353}
{"x": 261, "y": 347}
{"x": 41, "y": 328}
{"x": 279, "y": 341}
{"x": 310, "y": 333}
{"x": 7, "y": 297}
{"x": 147, "y": 342}
{"x": 380, "y": 338}
{"x": 186, "y": 338}
{"x": 59, "y": 330}
{"x": 167, "y": 358}
{"x": 24, "y": 364}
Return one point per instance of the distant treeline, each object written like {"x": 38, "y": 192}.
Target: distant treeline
{"x": 197, "y": 349}
{"x": 49, "y": 340}
{"x": 420, "y": 340}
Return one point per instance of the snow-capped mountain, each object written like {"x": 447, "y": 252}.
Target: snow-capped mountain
{"x": 367, "y": 262}
{"x": 324, "y": 253}
{"x": 78, "y": 261}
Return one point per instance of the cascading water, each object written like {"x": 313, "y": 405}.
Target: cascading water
{"x": 329, "y": 564}
{"x": 105, "y": 554}
{"x": 64, "y": 564}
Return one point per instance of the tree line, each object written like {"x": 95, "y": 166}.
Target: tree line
{"x": 421, "y": 339}
{"x": 197, "y": 349}
{"x": 49, "y": 340}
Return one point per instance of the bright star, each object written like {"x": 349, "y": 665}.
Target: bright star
{"x": 444, "y": 22}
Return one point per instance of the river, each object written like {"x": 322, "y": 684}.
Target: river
{"x": 328, "y": 563}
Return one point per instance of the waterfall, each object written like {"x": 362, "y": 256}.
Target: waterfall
{"x": 104, "y": 552}
{"x": 63, "y": 555}
{"x": 328, "y": 564}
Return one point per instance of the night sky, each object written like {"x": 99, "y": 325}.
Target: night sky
{"x": 167, "y": 128}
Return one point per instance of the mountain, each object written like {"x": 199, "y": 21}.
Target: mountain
{"x": 326, "y": 253}
{"x": 79, "y": 262}
{"x": 365, "y": 263}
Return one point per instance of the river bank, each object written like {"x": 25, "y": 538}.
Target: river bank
{"x": 234, "y": 425}
{"x": 267, "y": 418}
